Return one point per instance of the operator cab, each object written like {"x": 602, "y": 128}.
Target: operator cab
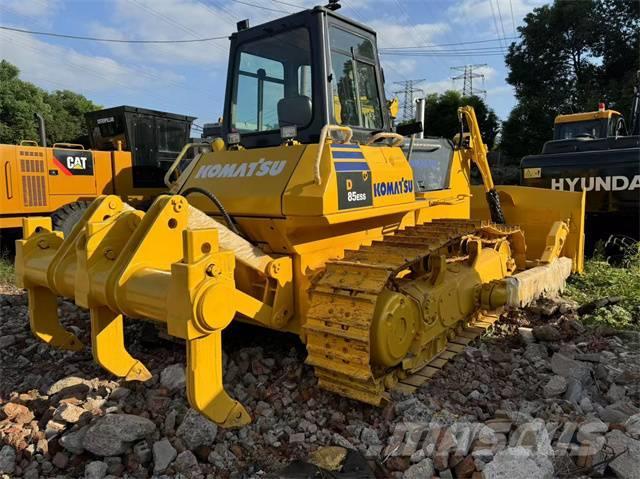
{"x": 305, "y": 70}
{"x": 589, "y": 126}
{"x": 154, "y": 139}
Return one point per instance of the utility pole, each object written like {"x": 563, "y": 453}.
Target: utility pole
{"x": 467, "y": 75}
{"x": 408, "y": 93}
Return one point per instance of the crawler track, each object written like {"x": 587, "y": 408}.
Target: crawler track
{"x": 343, "y": 302}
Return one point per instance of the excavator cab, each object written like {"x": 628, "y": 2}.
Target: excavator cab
{"x": 307, "y": 70}
{"x": 589, "y": 125}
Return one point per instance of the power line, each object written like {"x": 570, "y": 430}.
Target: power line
{"x": 495, "y": 21}
{"x": 295, "y": 5}
{"x": 109, "y": 40}
{"x": 513, "y": 19}
{"x": 260, "y": 6}
{"x": 445, "y": 50}
{"x": 501, "y": 21}
{"x": 434, "y": 45}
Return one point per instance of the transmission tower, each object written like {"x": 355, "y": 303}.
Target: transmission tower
{"x": 467, "y": 75}
{"x": 408, "y": 93}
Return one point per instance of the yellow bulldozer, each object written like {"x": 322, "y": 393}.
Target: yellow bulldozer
{"x": 312, "y": 216}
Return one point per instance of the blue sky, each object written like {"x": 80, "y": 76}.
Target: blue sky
{"x": 190, "y": 78}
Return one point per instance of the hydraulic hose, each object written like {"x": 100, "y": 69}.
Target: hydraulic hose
{"x": 495, "y": 208}
{"x": 214, "y": 199}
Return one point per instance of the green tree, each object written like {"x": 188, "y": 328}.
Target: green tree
{"x": 63, "y": 111}
{"x": 570, "y": 56}
{"x": 441, "y": 117}
{"x": 19, "y": 100}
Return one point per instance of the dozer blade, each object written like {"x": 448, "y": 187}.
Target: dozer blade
{"x": 118, "y": 261}
{"x": 538, "y": 212}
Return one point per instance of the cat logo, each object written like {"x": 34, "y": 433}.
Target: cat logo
{"x": 76, "y": 162}
{"x": 72, "y": 162}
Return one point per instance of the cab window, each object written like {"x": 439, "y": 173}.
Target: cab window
{"x": 272, "y": 83}
{"x": 356, "y": 99}
{"x": 578, "y": 129}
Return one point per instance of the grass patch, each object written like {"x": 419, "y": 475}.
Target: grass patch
{"x": 601, "y": 280}
{"x": 6, "y": 270}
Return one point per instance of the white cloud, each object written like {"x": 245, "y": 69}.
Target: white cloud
{"x": 438, "y": 86}
{"x": 475, "y": 11}
{"x": 392, "y": 66}
{"x": 178, "y": 19}
{"x": 66, "y": 68}
{"x": 31, "y": 8}
{"x": 488, "y": 72}
{"x": 399, "y": 35}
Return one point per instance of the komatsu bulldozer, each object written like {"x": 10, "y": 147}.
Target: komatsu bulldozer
{"x": 312, "y": 216}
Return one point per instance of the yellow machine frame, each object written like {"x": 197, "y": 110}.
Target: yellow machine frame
{"x": 320, "y": 235}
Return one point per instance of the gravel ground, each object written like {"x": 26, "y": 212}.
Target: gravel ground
{"x": 541, "y": 396}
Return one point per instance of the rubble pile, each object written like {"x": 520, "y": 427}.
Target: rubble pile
{"x": 540, "y": 396}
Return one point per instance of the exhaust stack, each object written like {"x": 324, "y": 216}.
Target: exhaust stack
{"x": 41, "y": 129}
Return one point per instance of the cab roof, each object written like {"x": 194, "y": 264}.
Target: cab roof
{"x": 586, "y": 116}
{"x": 279, "y": 23}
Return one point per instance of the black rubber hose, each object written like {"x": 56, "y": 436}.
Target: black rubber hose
{"x": 493, "y": 199}
{"x": 214, "y": 199}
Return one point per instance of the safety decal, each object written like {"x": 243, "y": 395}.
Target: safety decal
{"x": 74, "y": 162}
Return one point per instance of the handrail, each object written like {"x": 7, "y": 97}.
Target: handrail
{"x": 73, "y": 146}
{"x": 326, "y": 129}
{"x": 179, "y": 158}
{"x": 28, "y": 143}
{"x": 398, "y": 139}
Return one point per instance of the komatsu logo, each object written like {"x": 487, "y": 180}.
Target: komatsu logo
{"x": 385, "y": 188}
{"x": 261, "y": 167}
{"x": 596, "y": 183}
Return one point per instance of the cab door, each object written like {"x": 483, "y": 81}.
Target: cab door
{"x": 10, "y": 185}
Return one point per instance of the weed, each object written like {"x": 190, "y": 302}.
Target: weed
{"x": 6, "y": 270}
{"x": 601, "y": 280}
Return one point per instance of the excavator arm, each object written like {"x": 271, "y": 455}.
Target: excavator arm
{"x": 477, "y": 152}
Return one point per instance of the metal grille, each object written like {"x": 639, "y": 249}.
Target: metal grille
{"x": 33, "y": 182}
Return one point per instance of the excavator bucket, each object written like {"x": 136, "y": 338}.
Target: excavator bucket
{"x": 118, "y": 261}
{"x": 541, "y": 214}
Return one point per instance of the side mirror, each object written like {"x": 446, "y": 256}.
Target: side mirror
{"x": 408, "y": 129}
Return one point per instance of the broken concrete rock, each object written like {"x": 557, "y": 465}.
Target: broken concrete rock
{"x": 627, "y": 465}
{"x": 420, "y": 470}
{"x": 196, "y": 430}
{"x": 570, "y": 368}
{"x": 7, "y": 460}
{"x": 163, "y": 455}
{"x": 95, "y": 470}
{"x": 555, "y": 387}
{"x": 518, "y": 463}
{"x": 546, "y": 332}
{"x": 73, "y": 441}
{"x": 173, "y": 377}
{"x": 112, "y": 435}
